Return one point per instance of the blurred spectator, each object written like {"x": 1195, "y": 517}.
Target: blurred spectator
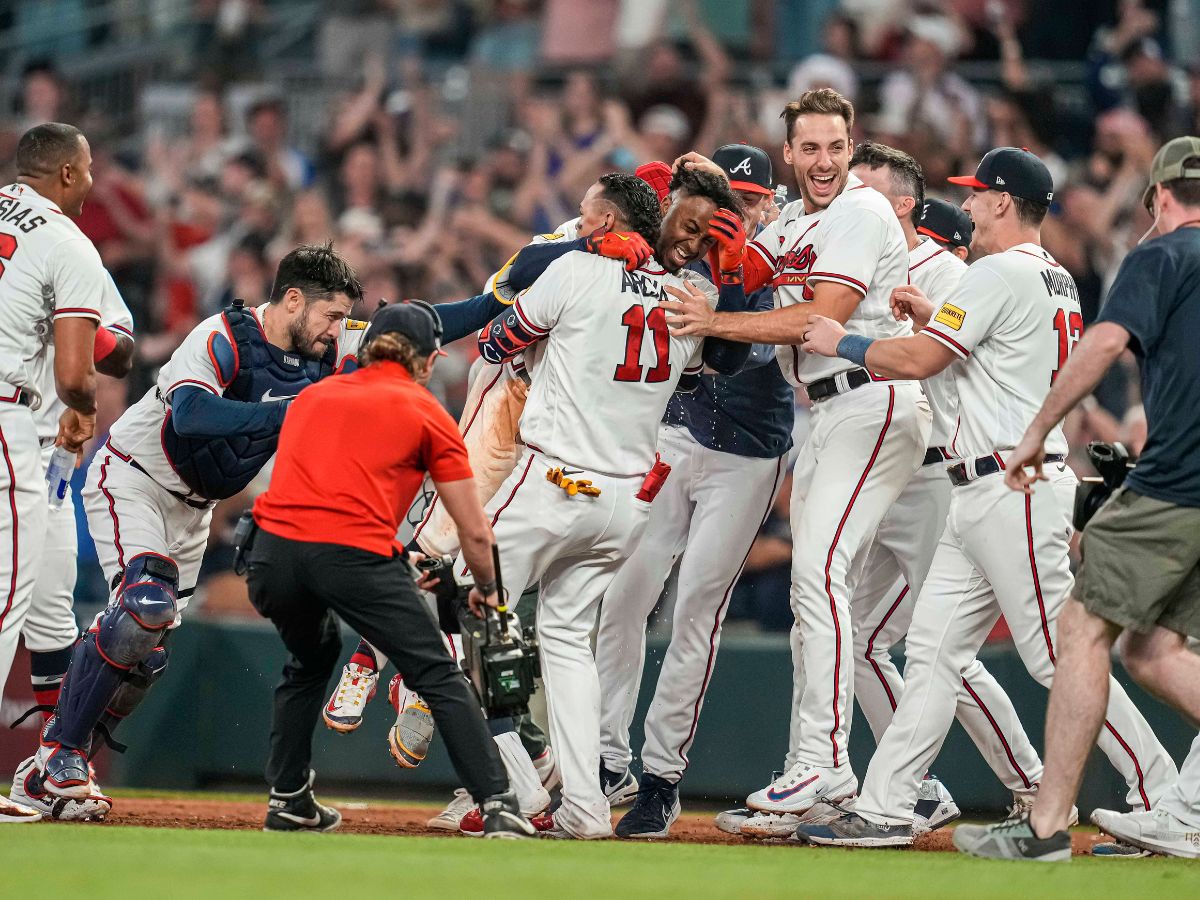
{"x": 267, "y": 126}
{"x": 834, "y": 65}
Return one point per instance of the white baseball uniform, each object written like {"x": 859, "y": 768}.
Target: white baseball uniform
{"x": 601, "y": 387}
{"x": 862, "y": 449}
{"x": 51, "y": 624}
{"x": 48, "y": 270}
{"x": 141, "y": 509}
{"x": 896, "y": 566}
{"x": 1011, "y": 322}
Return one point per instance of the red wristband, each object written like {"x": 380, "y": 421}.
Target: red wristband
{"x": 106, "y": 343}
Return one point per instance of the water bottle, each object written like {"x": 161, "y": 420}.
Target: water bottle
{"x": 58, "y": 476}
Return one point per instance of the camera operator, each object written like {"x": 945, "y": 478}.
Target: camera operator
{"x": 352, "y": 454}
{"x": 1141, "y": 551}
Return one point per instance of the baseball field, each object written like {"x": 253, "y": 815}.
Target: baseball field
{"x": 209, "y": 845}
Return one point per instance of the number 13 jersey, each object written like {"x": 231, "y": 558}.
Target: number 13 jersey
{"x": 1012, "y": 321}
{"x": 608, "y": 364}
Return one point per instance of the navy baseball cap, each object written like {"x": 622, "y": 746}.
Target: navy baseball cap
{"x": 415, "y": 319}
{"x": 748, "y": 168}
{"x": 1013, "y": 170}
{"x": 946, "y": 223}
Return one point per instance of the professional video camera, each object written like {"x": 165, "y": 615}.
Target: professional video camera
{"x": 499, "y": 657}
{"x": 1113, "y": 463}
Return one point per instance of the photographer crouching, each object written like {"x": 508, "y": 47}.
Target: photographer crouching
{"x": 352, "y": 454}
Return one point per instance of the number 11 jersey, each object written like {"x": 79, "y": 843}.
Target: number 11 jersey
{"x": 608, "y": 363}
{"x": 1012, "y": 321}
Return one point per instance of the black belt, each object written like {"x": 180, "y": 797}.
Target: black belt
{"x": 935, "y": 455}
{"x": 988, "y": 465}
{"x": 25, "y": 398}
{"x": 194, "y": 504}
{"x": 827, "y": 387}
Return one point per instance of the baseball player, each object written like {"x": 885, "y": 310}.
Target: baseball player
{"x": 838, "y": 251}
{"x": 727, "y": 445}
{"x": 904, "y": 545}
{"x": 50, "y": 630}
{"x": 51, "y": 284}
{"x": 578, "y": 500}
{"x": 1007, "y": 329}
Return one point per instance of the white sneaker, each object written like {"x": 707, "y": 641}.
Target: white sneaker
{"x": 1023, "y": 805}
{"x": 546, "y": 765}
{"x": 934, "y": 807}
{"x": 27, "y": 791}
{"x": 799, "y": 788}
{"x": 1157, "y": 831}
{"x": 448, "y": 818}
{"x": 344, "y": 711}
{"x": 731, "y": 820}
{"x": 410, "y": 736}
{"x": 765, "y": 825}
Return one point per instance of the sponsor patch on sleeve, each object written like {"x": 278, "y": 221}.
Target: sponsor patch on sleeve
{"x": 355, "y": 325}
{"x": 950, "y": 316}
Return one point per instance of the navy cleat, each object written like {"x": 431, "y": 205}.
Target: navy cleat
{"x": 654, "y": 810}
{"x": 502, "y": 817}
{"x": 300, "y": 811}
{"x": 619, "y": 787}
{"x": 852, "y": 830}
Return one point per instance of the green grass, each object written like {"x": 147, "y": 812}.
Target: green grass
{"x": 123, "y": 862}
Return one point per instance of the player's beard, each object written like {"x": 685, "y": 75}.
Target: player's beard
{"x": 303, "y": 342}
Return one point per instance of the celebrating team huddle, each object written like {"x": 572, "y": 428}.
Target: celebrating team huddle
{"x": 631, "y": 414}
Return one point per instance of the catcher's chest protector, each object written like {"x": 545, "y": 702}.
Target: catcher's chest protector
{"x": 219, "y": 467}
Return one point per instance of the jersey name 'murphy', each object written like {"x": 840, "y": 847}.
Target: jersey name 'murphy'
{"x": 14, "y": 213}
{"x": 1060, "y": 284}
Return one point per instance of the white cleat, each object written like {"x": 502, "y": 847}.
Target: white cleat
{"x": 1157, "y": 831}
{"x": 344, "y": 711}
{"x": 731, "y": 820}
{"x": 1023, "y": 805}
{"x": 410, "y": 736}
{"x": 450, "y": 817}
{"x": 802, "y": 786}
{"x": 27, "y": 791}
{"x": 772, "y": 826}
{"x": 934, "y": 807}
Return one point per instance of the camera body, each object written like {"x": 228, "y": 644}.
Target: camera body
{"x": 1113, "y": 463}
{"x": 500, "y": 659}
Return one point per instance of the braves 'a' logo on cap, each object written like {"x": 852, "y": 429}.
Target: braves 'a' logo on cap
{"x": 743, "y": 166}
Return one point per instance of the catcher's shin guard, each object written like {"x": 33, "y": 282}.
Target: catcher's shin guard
{"x": 126, "y": 634}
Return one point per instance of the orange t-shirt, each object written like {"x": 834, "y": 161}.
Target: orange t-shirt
{"x": 352, "y": 454}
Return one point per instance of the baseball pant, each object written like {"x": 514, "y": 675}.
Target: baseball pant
{"x": 51, "y": 624}
{"x": 884, "y": 598}
{"x": 23, "y": 494}
{"x": 1003, "y": 553}
{"x": 1182, "y": 799}
{"x": 709, "y": 510}
{"x": 299, "y": 586}
{"x": 571, "y": 547}
{"x": 862, "y": 449}
{"x": 129, "y": 513}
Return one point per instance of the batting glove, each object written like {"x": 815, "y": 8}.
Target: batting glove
{"x": 628, "y": 246}
{"x": 726, "y": 229}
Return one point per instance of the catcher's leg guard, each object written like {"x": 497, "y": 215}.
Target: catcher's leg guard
{"x": 126, "y": 634}
{"x": 130, "y": 693}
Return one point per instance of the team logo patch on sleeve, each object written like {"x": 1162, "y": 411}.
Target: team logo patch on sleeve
{"x": 950, "y": 316}
{"x": 355, "y": 325}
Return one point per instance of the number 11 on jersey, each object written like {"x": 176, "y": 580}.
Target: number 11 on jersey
{"x": 637, "y": 320}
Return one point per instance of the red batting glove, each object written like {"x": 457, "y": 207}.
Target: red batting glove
{"x": 624, "y": 245}
{"x": 726, "y": 229}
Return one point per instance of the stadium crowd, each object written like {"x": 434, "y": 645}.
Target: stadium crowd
{"x": 464, "y": 127}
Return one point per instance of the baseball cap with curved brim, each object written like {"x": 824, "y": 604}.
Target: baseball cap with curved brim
{"x": 1013, "y": 170}
{"x": 1177, "y": 158}
{"x": 945, "y": 223}
{"x": 415, "y": 320}
{"x": 748, "y": 168}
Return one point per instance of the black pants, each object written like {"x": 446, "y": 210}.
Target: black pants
{"x": 298, "y": 586}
